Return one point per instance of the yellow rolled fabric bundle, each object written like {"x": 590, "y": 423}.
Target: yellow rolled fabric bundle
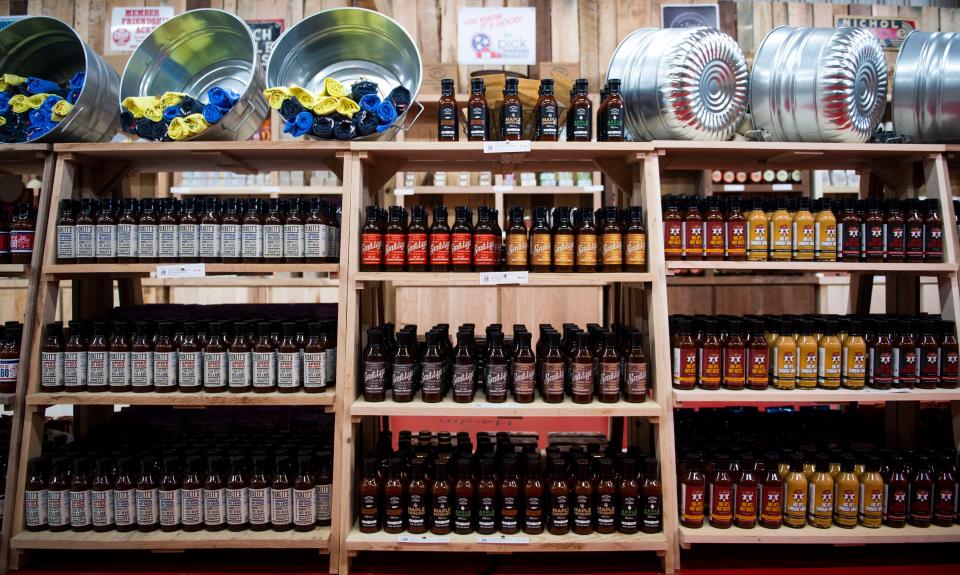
{"x": 276, "y": 96}
{"x": 136, "y": 105}
{"x": 154, "y": 113}
{"x": 306, "y": 99}
{"x": 37, "y": 100}
{"x": 196, "y": 124}
{"x": 347, "y": 107}
{"x": 12, "y": 80}
{"x": 326, "y": 106}
{"x": 178, "y": 129}
{"x": 60, "y": 110}
{"x": 333, "y": 88}
{"x": 19, "y": 103}
{"x": 171, "y": 99}
{"x": 3, "y": 121}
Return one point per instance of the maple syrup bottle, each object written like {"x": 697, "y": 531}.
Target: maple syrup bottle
{"x": 478, "y": 114}
{"x": 464, "y": 494}
{"x": 558, "y": 522}
{"x": 583, "y": 499}
{"x": 369, "y": 489}
{"x": 441, "y": 499}
{"x": 448, "y": 113}
{"x": 440, "y": 240}
{"x": 511, "y": 112}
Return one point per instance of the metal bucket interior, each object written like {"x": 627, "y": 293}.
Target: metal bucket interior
{"x": 50, "y": 49}
{"x": 348, "y": 44}
{"x": 196, "y": 51}
{"x": 926, "y": 88}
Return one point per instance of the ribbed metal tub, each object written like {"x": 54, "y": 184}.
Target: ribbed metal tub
{"x": 196, "y": 51}
{"x": 681, "y": 83}
{"x": 47, "y": 48}
{"x": 348, "y": 44}
{"x": 926, "y": 88}
{"x": 818, "y": 85}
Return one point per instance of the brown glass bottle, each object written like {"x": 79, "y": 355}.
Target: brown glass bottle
{"x": 486, "y": 499}
{"x": 66, "y": 232}
{"x": 523, "y": 369}
{"x": 168, "y": 244}
{"x": 417, "y": 242}
{"x": 273, "y": 232}
{"x": 921, "y": 494}
{"x": 35, "y": 496}
{"x": 848, "y": 229}
{"x": 496, "y": 370}
{"x": 101, "y": 496}
{"x": 58, "y": 496}
{"x": 258, "y": 494}
{"x": 439, "y": 240}
{"x": 533, "y": 496}
{"x": 547, "y": 114}
{"x": 106, "y": 242}
{"x": 913, "y": 231}
{"x": 209, "y": 231}
{"x": 448, "y": 113}
{"x": 635, "y": 241}
{"x": 288, "y": 360}
{"x": 944, "y": 492}
{"x": 86, "y": 233}
{"x": 583, "y": 499}
{"x": 441, "y": 499}
{"x": 508, "y": 498}
{"x": 628, "y": 494}
{"x": 304, "y": 504}
{"x": 169, "y": 496}
{"x": 164, "y": 360}
{"x": 404, "y": 368}
{"x": 612, "y": 241}
{"x": 478, "y": 115}
{"x": 127, "y": 238}
{"x": 97, "y": 358}
{"x": 949, "y": 355}
{"x": 609, "y": 370}
{"x": 517, "y": 242}
{"x": 147, "y": 498}
{"x": 614, "y": 114}
{"x": 541, "y": 242}
{"x": 580, "y": 115}
{"x": 141, "y": 359}
{"x": 586, "y": 242}
{"x": 124, "y": 497}
{"x": 511, "y": 111}
{"x": 932, "y": 231}
{"x": 564, "y": 245}
{"x": 873, "y": 236}
{"x": 281, "y": 495}
{"x": 929, "y": 356}
{"x": 369, "y": 488}
{"x": 486, "y": 240}
{"x": 191, "y": 495}
{"x": 461, "y": 240}
{"x": 692, "y": 494}
{"x": 463, "y": 516}
{"x": 394, "y": 496}
{"x": 251, "y": 232}
{"x": 606, "y": 498}
{"x": 896, "y": 495}
{"x": 747, "y": 495}
{"x": 51, "y": 358}
{"x": 81, "y": 510}
{"x": 214, "y": 496}
{"x": 710, "y": 362}
{"x": 552, "y": 371}
{"x": 770, "y": 495}
{"x": 652, "y": 498}
{"x": 734, "y": 357}
{"x": 558, "y": 521}
{"x": 721, "y": 495}
{"x": 231, "y": 248}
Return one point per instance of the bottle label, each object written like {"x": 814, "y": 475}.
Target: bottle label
{"x": 189, "y": 368}
{"x": 486, "y": 513}
{"x": 563, "y": 250}
{"x": 586, "y": 249}
{"x": 331, "y": 372}
{"x": 846, "y": 501}
{"x": 447, "y": 121}
{"x": 293, "y": 240}
{"x": 324, "y": 496}
{"x": 96, "y": 369}
{"x": 264, "y": 369}
{"x": 439, "y": 249}
{"x": 612, "y": 249}
{"x": 188, "y": 240}
{"x": 771, "y": 501}
{"x": 141, "y": 374}
{"x": 394, "y": 248}
{"x": 628, "y": 513}
{"x": 75, "y": 369}
{"x": 825, "y": 247}
{"x": 581, "y": 380}
{"x": 237, "y": 512}
{"x": 829, "y": 368}
{"x": 80, "y": 510}
{"x": 583, "y": 511}
{"x": 58, "y": 508}
{"x": 932, "y": 241}
{"x": 417, "y": 248}
{"x": 251, "y": 240}
{"x": 894, "y": 503}
{"x": 371, "y": 249}
{"x": 304, "y": 507}
{"x": 692, "y": 239}
{"x": 209, "y": 240}
{"x": 854, "y": 366}
{"x": 733, "y": 366}
{"x": 462, "y": 517}
{"x": 431, "y": 377}
{"x": 580, "y": 122}
{"x": 691, "y": 497}
{"x": 259, "y": 505}
{"x": 637, "y": 249}
{"x": 496, "y": 379}
{"x": 808, "y": 364}
{"x": 635, "y": 374}
{"x": 165, "y": 369}
{"x": 948, "y": 367}
{"x": 147, "y": 504}
{"x": 402, "y": 380}
{"x": 214, "y": 369}
{"x": 804, "y": 240}
{"x": 930, "y": 367}
{"x": 685, "y": 366}
{"x": 541, "y": 246}
{"x": 124, "y": 508}
{"x": 315, "y": 370}
{"x": 893, "y": 239}
{"x": 721, "y": 502}
{"x": 873, "y": 239}
{"x": 758, "y": 242}
{"x": 288, "y": 370}
{"x": 461, "y": 249}
{"x": 796, "y": 503}
{"x": 230, "y": 241}
{"x": 167, "y": 242}
{"x": 921, "y": 508}
{"x": 315, "y": 241}
{"x": 106, "y": 241}
{"x": 512, "y": 124}
{"x": 746, "y": 506}
{"x": 214, "y": 507}
{"x": 101, "y": 507}
{"x": 485, "y": 250}
{"x": 440, "y": 512}
{"x": 871, "y": 502}
{"x": 240, "y": 373}
{"x": 850, "y": 239}
{"x": 35, "y": 507}
{"x": 86, "y": 241}
{"x": 881, "y": 367}
{"x": 711, "y": 367}
{"x": 784, "y": 365}
{"x": 943, "y": 504}
{"x": 609, "y": 378}
{"x": 191, "y": 501}
{"x": 533, "y": 513}
{"x": 673, "y": 239}
{"x": 416, "y": 511}
{"x": 553, "y": 379}
{"x": 169, "y": 505}
{"x": 463, "y": 381}
{"x": 9, "y": 370}
{"x": 374, "y": 373}
{"x": 146, "y": 241}
{"x": 606, "y": 510}
{"x": 370, "y": 513}
{"x": 820, "y": 501}
{"x": 614, "y": 122}
{"x": 273, "y": 241}
{"x": 127, "y": 240}
{"x": 758, "y": 374}
{"x": 51, "y": 369}
{"x": 66, "y": 242}
{"x": 280, "y": 506}
{"x": 524, "y": 378}
{"x": 735, "y": 234}
{"x": 713, "y": 239}
{"x": 781, "y": 238}
{"x": 477, "y": 122}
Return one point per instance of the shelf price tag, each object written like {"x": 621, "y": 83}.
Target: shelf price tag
{"x": 503, "y": 188}
{"x": 733, "y": 187}
{"x": 403, "y": 191}
{"x": 781, "y": 187}
{"x": 593, "y": 188}
{"x": 503, "y": 540}
{"x": 423, "y": 539}
{"x": 182, "y": 271}
{"x": 506, "y": 147}
{"x": 497, "y": 278}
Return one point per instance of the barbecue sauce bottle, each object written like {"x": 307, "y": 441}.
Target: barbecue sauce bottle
{"x": 628, "y": 493}
{"x": 464, "y": 494}
{"x": 258, "y": 494}
{"x": 478, "y": 115}
{"x": 559, "y": 518}
{"x": 583, "y": 499}
{"x": 417, "y": 247}
{"x": 508, "y": 498}
{"x": 371, "y": 242}
{"x": 614, "y": 113}
{"x": 692, "y": 493}
{"x": 770, "y": 495}
{"x": 533, "y": 497}
{"x": 541, "y": 241}
{"x": 35, "y": 496}
{"x": 441, "y": 500}
{"x": 511, "y": 112}
{"x": 547, "y": 113}
{"x": 440, "y": 240}
{"x": 370, "y": 489}
{"x": 448, "y": 114}
{"x": 461, "y": 240}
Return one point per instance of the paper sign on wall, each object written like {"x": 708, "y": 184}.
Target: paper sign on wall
{"x": 497, "y": 36}
{"x": 265, "y": 32}
{"x": 130, "y": 26}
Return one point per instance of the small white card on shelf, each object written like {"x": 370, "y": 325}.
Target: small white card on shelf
{"x": 504, "y": 539}
{"x": 269, "y": 189}
{"x": 506, "y": 147}
{"x": 422, "y": 539}
{"x": 495, "y": 278}
{"x": 182, "y": 271}
{"x": 503, "y": 188}
{"x": 733, "y": 187}
{"x": 403, "y": 191}
{"x": 781, "y": 187}
{"x": 593, "y": 188}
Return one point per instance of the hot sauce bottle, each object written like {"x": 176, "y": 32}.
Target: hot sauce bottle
{"x": 511, "y": 113}
{"x": 770, "y": 495}
{"x": 635, "y": 370}
{"x": 734, "y": 357}
{"x": 440, "y": 240}
{"x": 685, "y": 355}
{"x": 51, "y": 358}
{"x": 371, "y": 242}
{"x": 432, "y": 369}
{"x": 581, "y": 371}
{"x": 485, "y": 240}
{"x": 552, "y": 370}
{"x": 692, "y": 231}
{"x": 635, "y": 241}
{"x": 896, "y": 494}
{"x": 141, "y": 359}
{"x": 673, "y": 229}
{"x": 932, "y": 231}
{"x": 81, "y": 511}
{"x": 395, "y": 240}
{"x": 612, "y": 241}
{"x": 870, "y": 513}
{"x": 523, "y": 369}
{"x": 781, "y": 231}
{"x": 496, "y": 371}
{"x": 464, "y": 494}
{"x": 758, "y": 244}
{"x": 547, "y": 111}
{"x": 921, "y": 494}
{"x": 281, "y": 495}
{"x": 417, "y": 240}
{"x": 804, "y": 232}
{"x": 563, "y": 241}
{"x": 825, "y": 231}
{"x": 873, "y": 236}
{"x": 757, "y": 358}
{"x": 101, "y": 496}
{"x": 713, "y": 228}
{"x": 880, "y": 358}
{"x": 692, "y": 493}
{"x": 86, "y": 233}
{"x": 929, "y": 356}
{"x": 820, "y": 497}
{"x": 613, "y": 113}
{"x": 168, "y": 241}
{"x": 478, "y": 116}
{"x": 97, "y": 359}
{"x": 710, "y": 357}
{"x": 848, "y": 230}
{"x": 541, "y": 241}
{"x": 721, "y": 495}
{"x": 807, "y": 356}
{"x": 795, "y": 494}
{"x": 906, "y": 367}
{"x": 949, "y": 353}
{"x": 293, "y": 232}
{"x": 944, "y": 492}
{"x": 533, "y": 497}
{"x": 273, "y": 232}
{"x": 448, "y": 113}
{"x": 209, "y": 231}
{"x": 558, "y": 522}
{"x": 66, "y": 233}
{"x": 829, "y": 357}
{"x": 461, "y": 240}
{"x": 147, "y": 498}
{"x": 124, "y": 499}
{"x": 517, "y": 243}
{"x": 914, "y": 231}
{"x": 846, "y": 494}
{"x": 735, "y": 231}
{"x": 894, "y": 231}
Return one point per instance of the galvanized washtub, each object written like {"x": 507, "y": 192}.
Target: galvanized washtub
{"x": 349, "y": 44}
{"x": 681, "y": 83}
{"x": 818, "y": 85}
{"x": 926, "y": 88}
{"x": 196, "y": 51}
{"x": 47, "y": 48}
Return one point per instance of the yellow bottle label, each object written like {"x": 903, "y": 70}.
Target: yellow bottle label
{"x": 871, "y": 502}
{"x": 781, "y": 238}
{"x": 795, "y": 508}
{"x": 807, "y": 372}
{"x": 803, "y": 239}
{"x": 587, "y": 250}
{"x": 785, "y": 366}
{"x": 820, "y": 507}
{"x": 846, "y": 497}
{"x": 517, "y": 249}
{"x": 541, "y": 247}
{"x": 757, "y": 245}
{"x": 825, "y": 249}
{"x": 636, "y": 249}
{"x": 854, "y": 367}
{"x": 612, "y": 249}
{"x": 563, "y": 250}
{"x": 829, "y": 366}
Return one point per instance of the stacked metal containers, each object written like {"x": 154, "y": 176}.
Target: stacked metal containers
{"x": 681, "y": 83}
{"x": 926, "y": 88}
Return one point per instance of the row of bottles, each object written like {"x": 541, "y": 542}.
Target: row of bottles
{"x": 189, "y": 356}
{"x": 561, "y": 240}
{"x": 11, "y": 333}
{"x": 441, "y": 485}
{"x": 242, "y": 482}
{"x": 801, "y": 229}
{"x": 230, "y": 230}
{"x": 546, "y": 116}
{"x": 607, "y": 364}
{"x": 17, "y": 226}
{"x": 809, "y": 352}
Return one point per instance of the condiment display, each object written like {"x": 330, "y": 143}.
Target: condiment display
{"x": 441, "y": 483}
{"x": 800, "y": 469}
{"x": 31, "y": 107}
{"x": 198, "y": 229}
{"x": 11, "y": 333}
{"x": 18, "y": 223}
{"x": 175, "y": 116}
{"x": 189, "y": 355}
{"x": 810, "y": 352}
{"x": 607, "y": 364}
{"x": 562, "y": 240}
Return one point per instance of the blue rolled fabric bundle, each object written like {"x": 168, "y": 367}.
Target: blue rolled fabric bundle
{"x": 169, "y": 113}
{"x": 190, "y": 106}
{"x": 222, "y": 97}
{"x": 41, "y": 86}
{"x": 366, "y": 122}
{"x": 323, "y": 127}
{"x": 4, "y": 102}
{"x": 290, "y": 108}
{"x": 303, "y": 122}
{"x": 386, "y": 113}
{"x": 143, "y": 128}
{"x": 345, "y": 130}
{"x": 49, "y": 103}
{"x": 38, "y": 118}
{"x": 158, "y": 132}
{"x": 361, "y": 89}
{"x": 370, "y": 102}
{"x": 400, "y": 97}
{"x": 213, "y": 113}
{"x": 128, "y": 122}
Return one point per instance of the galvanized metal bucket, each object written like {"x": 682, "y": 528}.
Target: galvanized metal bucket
{"x": 681, "y": 83}
{"x": 47, "y": 48}
{"x": 926, "y": 88}
{"x": 349, "y": 44}
{"x": 818, "y": 85}
{"x": 196, "y": 51}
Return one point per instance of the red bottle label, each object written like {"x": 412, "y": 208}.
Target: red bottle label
{"x": 771, "y": 499}
{"x": 417, "y": 248}
{"x": 394, "y": 249}
{"x": 914, "y": 247}
{"x": 757, "y": 374}
{"x": 673, "y": 239}
{"x": 713, "y": 236}
{"x": 693, "y": 240}
{"x": 851, "y": 241}
{"x": 930, "y": 368}
{"x": 461, "y": 249}
{"x": 746, "y": 510}
{"x": 685, "y": 367}
{"x": 4, "y": 242}
{"x": 736, "y": 238}
{"x": 874, "y": 239}
{"x": 933, "y": 241}
{"x": 920, "y": 504}
{"x": 371, "y": 248}
{"x": 895, "y": 245}
{"x": 21, "y": 241}
{"x": 881, "y": 370}
{"x": 692, "y": 510}
{"x": 439, "y": 249}
{"x": 943, "y": 504}
{"x": 894, "y": 504}
{"x": 485, "y": 249}
{"x": 733, "y": 374}
{"x": 711, "y": 367}
{"x": 949, "y": 375}
{"x": 721, "y": 502}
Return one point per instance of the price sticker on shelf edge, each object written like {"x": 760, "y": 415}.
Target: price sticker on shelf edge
{"x": 781, "y": 187}
{"x": 403, "y": 191}
{"x": 508, "y": 146}
{"x": 503, "y": 188}
{"x": 182, "y": 271}
{"x": 422, "y": 539}
{"x": 593, "y": 188}
{"x": 497, "y": 278}
{"x": 504, "y": 540}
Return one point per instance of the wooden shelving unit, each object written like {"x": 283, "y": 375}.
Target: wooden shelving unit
{"x": 319, "y": 539}
{"x": 255, "y": 191}
{"x": 695, "y": 397}
{"x": 812, "y": 267}
{"x": 813, "y": 536}
{"x": 473, "y": 279}
{"x": 123, "y": 270}
{"x": 14, "y": 270}
{"x": 179, "y": 399}
{"x": 509, "y": 408}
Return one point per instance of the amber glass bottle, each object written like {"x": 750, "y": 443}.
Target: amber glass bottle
{"x": 511, "y": 112}
{"x": 448, "y": 113}
{"x": 547, "y": 114}
{"x": 559, "y": 518}
{"x": 478, "y": 115}
{"x": 541, "y": 241}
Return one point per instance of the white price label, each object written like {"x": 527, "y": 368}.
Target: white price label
{"x": 503, "y": 540}
{"x": 891, "y": 390}
{"x": 422, "y": 539}
{"x": 270, "y": 189}
{"x": 496, "y": 278}
{"x": 509, "y": 146}
{"x": 781, "y": 187}
{"x": 503, "y": 188}
{"x": 403, "y": 192}
{"x": 733, "y": 187}
{"x": 593, "y": 188}
{"x": 182, "y": 271}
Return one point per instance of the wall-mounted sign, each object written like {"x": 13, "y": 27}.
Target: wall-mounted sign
{"x": 265, "y": 32}
{"x": 497, "y": 36}
{"x": 690, "y": 15}
{"x": 130, "y": 26}
{"x": 890, "y": 31}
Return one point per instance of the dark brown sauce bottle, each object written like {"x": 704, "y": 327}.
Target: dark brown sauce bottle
{"x": 508, "y": 500}
{"x": 533, "y": 497}
{"x": 147, "y": 498}
{"x": 463, "y": 516}
{"x": 478, "y": 115}
{"x": 511, "y": 111}
{"x": 441, "y": 500}
{"x": 394, "y": 496}
{"x": 558, "y": 522}
{"x": 547, "y": 112}
{"x": 628, "y": 493}
{"x": 524, "y": 369}
{"x": 486, "y": 499}
{"x": 448, "y": 114}
{"x": 416, "y": 509}
{"x": 369, "y": 489}
{"x": 304, "y": 496}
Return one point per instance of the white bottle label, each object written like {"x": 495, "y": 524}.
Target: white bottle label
{"x": 315, "y": 370}
{"x": 288, "y": 369}
{"x": 51, "y": 369}
{"x": 331, "y": 365}
{"x": 75, "y": 369}
{"x": 259, "y": 501}
{"x": 147, "y": 504}
{"x": 214, "y": 370}
{"x": 314, "y": 241}
{"x": 168, "y": 242}
{"x": 214, "y": 506}
{"x": 305, "y": 507}
{"x": 237, "y": 512}
{"x": 230, "y": 241}
{"x": 189, "y": 368}
{"x": 101, "y": 503}
{"x": 124, "y": 508}
{"x": 141, "y": 368}
{"x": 86, "y": 241}
{"x": 121, "y": 370}
{"x": 106, "y": 241}
{"x": 209, "y": 240}
{"x": 35, "y": 507}
{"x": 252, "y": 240}
{"x": 58, "y": 508}
{"x": 66, "y": 242}
{"x": 324, "y": 502}
{"x": 165, "y": 369}
{"x": 80, "y": 510}
{"x": 264, "y": 369}
{"x": 97, "y": 368}
{"x": 280, "y": 506}
{"x": 127, "y": 240}
{"x": 273, "y": 241}
{"x": 191, "y": 501}
{"x": 293, "y": 241}
{"x": 147, "y": 241}
{"x": 170, "y": 508}
{"x": 240, "y": 372}
{"x": 189, "y": 244}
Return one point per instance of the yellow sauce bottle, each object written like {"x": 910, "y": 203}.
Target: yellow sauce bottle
{"x": 807, "y": 356}
{"x": 825, "y": 226}
{"x": 804, "y": 233}
{"x": 836, "y": 456}
{"x": 846, "y": 494}
{"x": 854, "y": 358}
{"x": 781, "y": 232}
{"x": 820, "y": 495}
{"x": 783, "y": 468}
{"x": 829, "y": 357}
{"x": 871, "y": 494}
{"x": 785, "y": 358}
{"x": 795, "y": 494}
{"x": 757, "y": 238}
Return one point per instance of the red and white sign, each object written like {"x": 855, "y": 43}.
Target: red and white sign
{"x": 497, "y": 36}
{"x": 130, "y": 26}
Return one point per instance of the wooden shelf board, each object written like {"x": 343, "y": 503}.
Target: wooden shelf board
{"x": 509, "y": 408}
{"x": 319, "y": 538}
{"x": 472, "y": 279}
{"x": 800, "y": 396}
{"x": 750, "y": 187}
{"x": 513, "y": 191}
{"x": 23, "y": 158}
{"x": 381, "y": 541}
{"x": 256, "y": 190}
{"x": 747, "y": 156}
{"x": 743, "y": 279}
{"x": 6, "y": 399}
{"x": 831, "y": 189}
{"x": 242, "y": 282}
{"x": 78, "y": 270}
{"x": 14, "y": 270}
{"x": 176, "y": 398}
{"x": 923, "y": 268}
{"x": 812, "y": 535}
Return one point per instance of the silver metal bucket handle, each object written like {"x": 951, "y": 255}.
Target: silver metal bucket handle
{"x": 238, "y": 119}
{"x": 410, "y": 125}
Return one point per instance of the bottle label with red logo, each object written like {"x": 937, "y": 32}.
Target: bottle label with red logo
{"x": 893, "y": 236}
{"x": 920, "y": 504}
{"x": 881, "y": 368}
{"x": 710, "y": 367}
{"x": 894, "y": 504}
{"x": 461, "y": 249}
{"x": 943, "y": 505}
{"x": 485, "y": 250}
{"x": 439, "y": 249}
{"x": 21, "y": 241}
{"x": 673, "y": 239}
{"x": 873, "y": 239}
{"x": 684, "y": 367}
{"x": 746, "y": 510}
{"x": 417, "y": 249}
{"x": 904, "y": 366}
{"x": 949, "y": 375}
{"x": 850, "y": 240}
{"x": 930, "y": 368}
{"x": 394, "y": 249}
{"x": 721, "y": 503}
{"x": 758, "y": 371}
{"x": 771, "y": 501}
{"x": 736, "y": 239}
{"x": 713, "y": 236}
{"x": 371, "y": 249}
{"x": 692, "y": 501}
{"x": 5, "y": 243}
{"x": 914, "y": 246}
{"x": 692, "y": 240}
{"x": 932, "y": 241}
{"x": 733, "y": 374}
